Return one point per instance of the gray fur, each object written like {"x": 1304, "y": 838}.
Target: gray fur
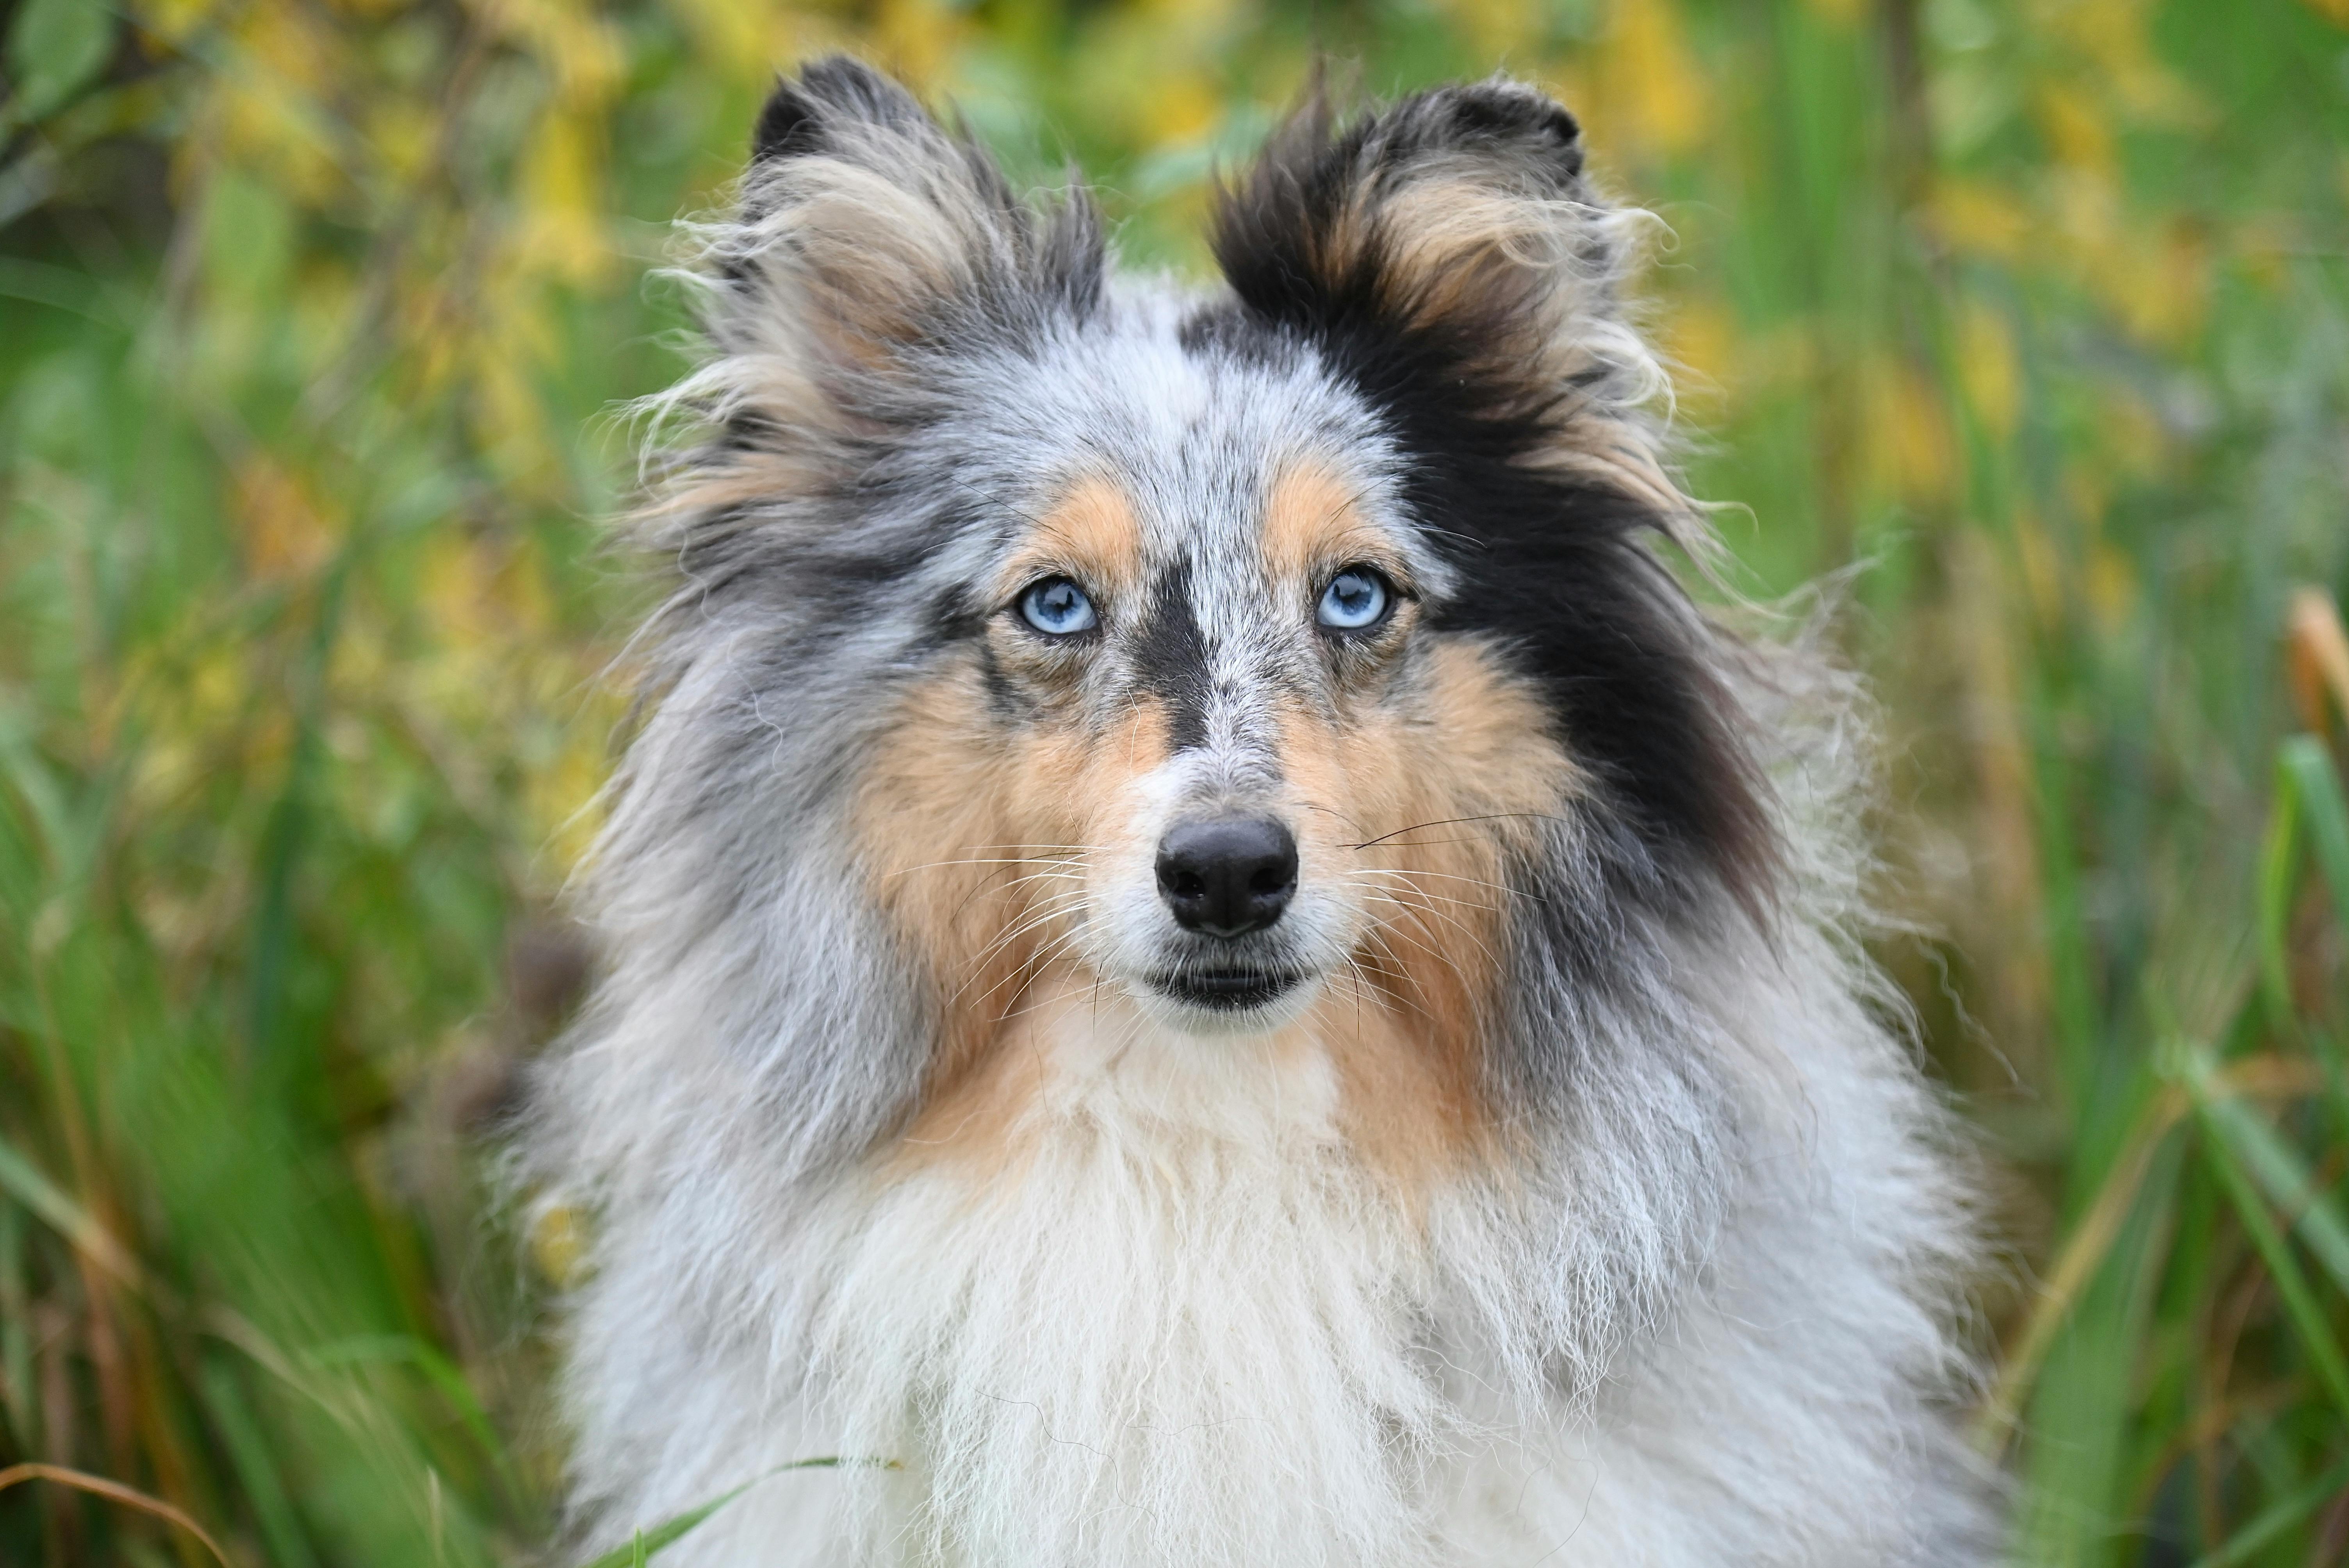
{"x": 1707, "y": 1311}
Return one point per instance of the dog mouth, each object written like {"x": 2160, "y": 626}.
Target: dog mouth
{"x": 1226, "y": 990}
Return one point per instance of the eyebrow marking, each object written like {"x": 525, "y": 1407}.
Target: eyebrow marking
{"x": 1311, "y": 517}
{"x": 1091, "y": 529}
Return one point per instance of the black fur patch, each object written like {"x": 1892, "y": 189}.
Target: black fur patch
{"x": 1556, "y": 566}
{"x": 837, "y": 88}
{"x": 1170, "y": 652}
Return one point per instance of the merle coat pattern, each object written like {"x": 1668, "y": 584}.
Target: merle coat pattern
{"x": 1520, "y": 1163}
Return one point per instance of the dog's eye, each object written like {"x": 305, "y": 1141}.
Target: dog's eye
{"x": 1357, "y": 598}
{"x": 1058, "y": 608}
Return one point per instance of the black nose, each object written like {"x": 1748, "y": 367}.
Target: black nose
{"x": 1227, "y": 877}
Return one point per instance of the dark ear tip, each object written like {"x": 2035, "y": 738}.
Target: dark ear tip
{"x": 787, "y": 125}
{"x": 1510, "y": 110}
{"x": 791, "y": 124}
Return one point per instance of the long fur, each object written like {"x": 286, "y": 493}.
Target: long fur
{"x": 894, "y": 1159}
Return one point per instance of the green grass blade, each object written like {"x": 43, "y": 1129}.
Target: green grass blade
{"x": 437, "y": 1370}
{"x": 23, "y": 1181}
{"x": 2292, "y": 1284}
{"x": 2309, "y": 780}
{"x": 2280, "y": 1517}
{"x": 645, "y": 1543}
{"x": 2289, "y": 1183}
{"x": 257, "y": 1469}
{"x": 2279, "y": 874}
{"x": 2073, "y": 1467}
{"x": 2308, "y": 788}
{"x": 2317, "y": 785}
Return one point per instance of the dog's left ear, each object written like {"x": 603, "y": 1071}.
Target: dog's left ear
{"x": 1450, "y": 258}
{"x": 1454, "y": 239}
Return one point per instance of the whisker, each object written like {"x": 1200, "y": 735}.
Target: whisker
{"x": 1449, "y": 822}
{"x": 1459, "y": 924}
{"x": 983, "y": 887}
{"x": 1064, "y": 854}
{"x": 1035, "y": 963}
{"x": 1362, "y": 980}
{"x": 1352, "y": 822}
{"x": 1426, "y": 940}
{"x": 1044, "y": 914}
{"x": 996, "y": 501}
{"x": 1038, "y": 914}
{"x": 1404, "y": 994}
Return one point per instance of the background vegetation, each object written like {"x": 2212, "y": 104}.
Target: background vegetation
{"x": 311, "y": 315}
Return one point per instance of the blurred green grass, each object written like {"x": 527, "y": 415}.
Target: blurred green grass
{"x": 311, "y": 314}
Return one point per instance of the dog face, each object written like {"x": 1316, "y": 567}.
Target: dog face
{"x": 1290, "y": 650}
{"x": 1195, "y": 730}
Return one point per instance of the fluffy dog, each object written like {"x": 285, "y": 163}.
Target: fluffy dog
{"x": 1209, "y": 962}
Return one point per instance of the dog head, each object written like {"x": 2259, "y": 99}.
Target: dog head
{"x": 1296, "y": 646}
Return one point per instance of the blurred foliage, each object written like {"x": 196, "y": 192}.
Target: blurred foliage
{"x": 312, "y": 314}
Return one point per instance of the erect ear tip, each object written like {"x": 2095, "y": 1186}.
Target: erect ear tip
{"x": 787, "y": 125}
{"x": 838, "y": 87}
{"x": 1506, "y": 110}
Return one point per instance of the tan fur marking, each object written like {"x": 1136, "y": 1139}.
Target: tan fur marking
{"x": 742, "y": 481}
{"x": 973, "y": 835}
{"x": 875, "y": 253}
{"x": 1312, "y": 525}
{"x": 1092, "y": 534}
{"x": 1461, "y": 238}
{"x": 1419, "y": 808}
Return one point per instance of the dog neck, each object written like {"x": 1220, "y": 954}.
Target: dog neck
{"x": 1346, "y": 1084}
{"x": 1125, "y": 1270}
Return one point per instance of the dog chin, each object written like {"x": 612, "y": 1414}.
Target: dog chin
{"x": 1238, "y": 1000}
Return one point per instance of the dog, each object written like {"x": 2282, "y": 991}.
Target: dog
{"x": 1208, "y": 960}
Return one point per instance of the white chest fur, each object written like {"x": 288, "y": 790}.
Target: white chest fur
{"x": 1139, "y": 1302}
{"x": 1162, "y": 1315}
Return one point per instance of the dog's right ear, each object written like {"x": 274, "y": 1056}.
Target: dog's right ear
{"x": 867, "y": 230}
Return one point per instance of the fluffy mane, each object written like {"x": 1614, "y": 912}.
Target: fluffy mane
{"x": 1586, "y": 1203}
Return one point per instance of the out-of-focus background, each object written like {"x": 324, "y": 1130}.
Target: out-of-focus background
{"x": 314, "y": 316}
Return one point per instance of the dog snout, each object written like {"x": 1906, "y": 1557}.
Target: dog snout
{"x": 1228, "y": 876}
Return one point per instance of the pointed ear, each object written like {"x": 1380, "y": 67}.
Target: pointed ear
{"x": 867, "y": 229}
{"x": 1455, "y": 237}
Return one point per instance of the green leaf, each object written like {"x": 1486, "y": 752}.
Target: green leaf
{"x": 2237, "y": 1159}
{"x": 2323, "y": 807}
{"x": 54, "y": 50}
{"x": 2291, "y": 1285}
{"x": 646, "y": 1543}
{"x": 441, "y": 1373}
{"x": 257, "y": 1469}
{"x": 2275, "y": 1165}
{"x": 642, "y": 1545}
{"x": 2282, "y": 1516}
{"x": 2278, "y": 878}
{"x": 2075, "y": 1481}
{"x": 2307, "y": 791}
{"x": 23, "y": 1181}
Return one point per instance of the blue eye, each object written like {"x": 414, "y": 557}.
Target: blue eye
{"x": 1058, "y": 608}
{"x": 1356, "y": 598}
